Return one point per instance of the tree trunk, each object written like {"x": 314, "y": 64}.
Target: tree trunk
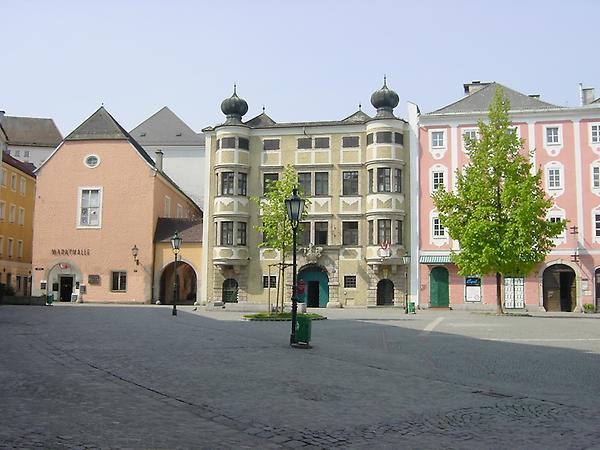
{"x": 499, "y": 293}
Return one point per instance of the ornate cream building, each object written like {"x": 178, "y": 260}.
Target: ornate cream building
{"x": 356, "y": 240}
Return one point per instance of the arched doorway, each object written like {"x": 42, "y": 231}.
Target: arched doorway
{"x": 559, "y": 288}
{"x": 385, "y": 292}
{"x": 438, "y": 288}
{"x": 187, "y": 283}
{"x": 230, "y": 291}
{"x": 316, "y": 290}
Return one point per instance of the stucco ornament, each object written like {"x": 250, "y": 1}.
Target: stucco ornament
{"x": 312, "y": 253}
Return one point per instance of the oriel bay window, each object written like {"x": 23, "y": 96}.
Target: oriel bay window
{"x": 227, "y": 229}
{"x": 399, "y": 232}
{"x": 226, "y": 233}
{"x": 242, "y": 187}
{"x": 305, "y": 182}
{"x": 384, "y": 182}
{"x": 349, "y": 233}
{"x": 321, "y": 229}
{"x": 384, "y": 230}
{"x": 371, "y": 227}
{"x": 321, "y": 183}
{"x": 370, "y": 181}
{"x": 350, "y": 183}
{"x": 227, "y": 183}
{"x": 397, "y": 180}
{"x": 241, "y": 233}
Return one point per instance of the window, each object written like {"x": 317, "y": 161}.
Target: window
{"x": 305, "y": 181}
{"x": 19, "y": 249}
{"x": 17, "y": 153}
{"x": 243, "y": 143}
{"x": 91, "y": 161}
{"x": 370, "y": 181}
{"x": 349, "y": 281}
{"x": 26, "y": 154}
{"x": 119, "y": 281}
{"x": 271, "y": 144}
{"x": 399, "y": 138}
{"x": 269, "y": 178}
{"x": 4, "y": 177}
{"x": 383, "y": 179}
{"x": 438, "y": 230}
{"x": 304, "y": 237}
{"x": 321, "y": 233}
{"x": 23, "y": 186}
{"x": 399, "y": 232}
{"x": 228, "y": 142}
{"x": 438, "y": 181}
{"x": 349, "y": 233}
{"x": 218, "y": 143}
{"x": 468, "y": 135}
{"x": 369, "y": 138}
{"x": 2, "y": 210}
{"x": 179, "y": 211}
{"x": 89, "y": 210}
{"x": 384, "y": 137}
{"x": 596, "y": 177}
{"x": 1, "y": 245}
{"x": 437, "y": 139}
{"x": 554, "y": 181}
{"x": 397, "y": 180}
{"x": 269, "y": 281}
{"x": 554, "y": 219}
{"x": 12, "y": 211}
{"x": 384, "y": 230}
{"x": 167, "y": 206}
{"x": 304, "y": 143}
{"x": 13, "y": 182}
{"x": 596, "y": 217}
{"x": 321, "y": 183}
{"x": 226, "y": 235}
{"x": 350, "y": 183}
{"x": 242, "y": 187}
{"x": 227, "y": 183}
{"x": 241, "y": 233}
{"x": 322, "y": 142}
{"x": 552, "y": 135}
{"x": 595, "y": 134}
{"x": 370, "y": 237}
{"x": 350, "y": 142}
{"x": 18, "y": 283}
{"x": 10, "y": 247}
{"x": 21, "y": 220}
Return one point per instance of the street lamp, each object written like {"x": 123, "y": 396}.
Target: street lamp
{"x": 176, "y": 245}
{"x": 295, "y": 207}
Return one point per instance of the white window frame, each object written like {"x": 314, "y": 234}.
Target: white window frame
{"x": 558, "y": 135}
{"x": 179, "y": 211}
{"x": 431, "y": 138}
{"x": 19, "y": 249}
{"x": 437, "y": 229}
{"x": 9, "y": 249}
{"x": 437, "y": 169}
{"x": 4, "y": 177}
{"x": 2, "y": 210}
{"x": 555, "y": 215}
{"x": 1, "y": 245}
{"x": 12, "y": 213}
{"x": 470, "y": 132}
{"x": 79, "y": 198}
{"x": 595, "y": 177}
{"x": 13, "y": 182}
{"x": 23, "y": 186}
{"x": 596, "y": 225}
{"x": 21, "y": 217}
{"x": 167, "y": 206}
{"x": 550, "y": 179}
{"x": 595, "y": 125}
{"x": 112, "y": 272}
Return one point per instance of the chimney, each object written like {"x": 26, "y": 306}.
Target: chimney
{"x": 587, "y": 96}
{"x": 159, "y": 160}
{"x": 474, "y": 86}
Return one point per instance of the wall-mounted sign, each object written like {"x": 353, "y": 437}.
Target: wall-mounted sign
{"x": 70, "y": 252}
{"x": 93, "y": 279}
{"x": 473, "y": 289}
{"x": 82, "y": 289}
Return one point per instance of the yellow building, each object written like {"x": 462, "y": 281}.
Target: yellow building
{"x": 354, "y": 247}
{"x": 17, "y": 196}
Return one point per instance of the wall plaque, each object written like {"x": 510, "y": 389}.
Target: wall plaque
{"x": 93, "y": 279}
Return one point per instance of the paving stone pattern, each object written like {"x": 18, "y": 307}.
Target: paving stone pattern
{"x": 104, "y": 378}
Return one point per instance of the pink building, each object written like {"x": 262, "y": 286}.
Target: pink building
{"x": 566, "y": 148}
{"x": 98, "y": 196}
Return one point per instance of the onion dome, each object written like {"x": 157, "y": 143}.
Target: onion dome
{"x": 234, "y": 107}
{"x": 385, "y": 100}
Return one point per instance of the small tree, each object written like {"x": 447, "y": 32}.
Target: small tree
{"x": 275, "y": 226}
{"x": 498, "y": 210}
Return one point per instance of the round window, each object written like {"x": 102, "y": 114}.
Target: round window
{"x": 92, "y": 161}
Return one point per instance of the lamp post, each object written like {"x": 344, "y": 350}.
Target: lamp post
{"x": 135, "y": 252}
{"x": 175, "y": 245}
{"x": 295, "y": 207}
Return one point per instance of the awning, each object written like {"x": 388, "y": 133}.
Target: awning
{"x": 435, "y": 259}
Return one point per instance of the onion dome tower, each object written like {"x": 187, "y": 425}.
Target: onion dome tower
{"x": 234, "y": 108}
{"x": 385, "y": 100}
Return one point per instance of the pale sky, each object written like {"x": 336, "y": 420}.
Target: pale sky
{"x": 303, "y": 60}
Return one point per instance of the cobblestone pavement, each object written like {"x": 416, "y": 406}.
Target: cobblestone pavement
{"x": 89, "y": 377}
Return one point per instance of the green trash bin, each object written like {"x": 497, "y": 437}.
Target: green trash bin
{"x": 411, "y": 308}
{"x": 303, "y": 326}
{"x": 49, "y": 299}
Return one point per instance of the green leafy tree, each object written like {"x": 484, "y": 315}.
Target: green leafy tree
{"x": 275, "y": 227}
{"x": 498, "y": 210}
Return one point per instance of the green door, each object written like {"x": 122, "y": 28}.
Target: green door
{"x": 316, "y": 293}
{"x": 438, "y": 288}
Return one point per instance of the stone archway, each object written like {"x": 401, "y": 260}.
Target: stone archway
{"x": 187, "y": 284}
{"x": 316, "y": 286}
{"x": 385, "y": 292}
{"x": 558, "y": 287}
